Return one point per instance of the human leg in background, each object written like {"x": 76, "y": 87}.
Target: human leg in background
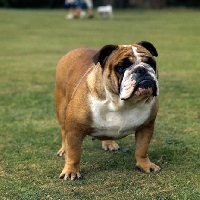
{"x": 89, "y": 4}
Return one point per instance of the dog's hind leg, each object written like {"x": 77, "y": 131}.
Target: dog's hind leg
{"x": 110, "y": 145}
{"x": 60, "y": 100}
{"x": 61, "y": 151}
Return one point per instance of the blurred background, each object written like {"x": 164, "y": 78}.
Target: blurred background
{"x": 115, "y": 3}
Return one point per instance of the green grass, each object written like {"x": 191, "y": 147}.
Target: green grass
{"x": 31, "y": 44}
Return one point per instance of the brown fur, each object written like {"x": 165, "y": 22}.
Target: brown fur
{"x": 76, "y": 77}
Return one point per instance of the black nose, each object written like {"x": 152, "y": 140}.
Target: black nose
{"x": 140, "y": 70}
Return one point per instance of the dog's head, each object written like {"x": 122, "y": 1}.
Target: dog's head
{"x": 129, "y": 70}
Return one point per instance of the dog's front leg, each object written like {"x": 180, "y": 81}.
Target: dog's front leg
{"x": 142, "y": 138}
{"x": 71, "y": 169}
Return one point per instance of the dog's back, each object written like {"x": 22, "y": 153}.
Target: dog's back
{"x": 71, "y": 69}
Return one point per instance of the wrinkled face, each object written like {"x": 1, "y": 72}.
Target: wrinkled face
{"x": 139, "y": 76}
{"x": 131, "y": 71}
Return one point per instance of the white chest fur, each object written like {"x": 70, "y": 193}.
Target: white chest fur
{"x": 117, "y": 121}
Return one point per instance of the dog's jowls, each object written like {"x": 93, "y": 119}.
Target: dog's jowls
{"x": 107, "y": 94}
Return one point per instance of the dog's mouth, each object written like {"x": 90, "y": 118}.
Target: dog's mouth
{"x": 140, "y": 87}
{"x": 145, "y": 87}
{"x": 138, "y": 81}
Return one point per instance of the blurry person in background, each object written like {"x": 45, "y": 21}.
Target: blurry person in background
{"x": 71, "y": 4}
{"x": 76, "y": 8}
{"x": 89, "y": 5}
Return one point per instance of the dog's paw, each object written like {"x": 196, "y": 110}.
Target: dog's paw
{"x": 148, "y": 167}
{"x": 68, "y": 175}
{"x": 61, "y": 152}
{"x": 110, "y": 145}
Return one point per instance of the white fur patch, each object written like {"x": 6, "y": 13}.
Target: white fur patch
{"x": 137, "y": 55}
{"x": 127, "y": 85}
{"x": 118, "y": 123}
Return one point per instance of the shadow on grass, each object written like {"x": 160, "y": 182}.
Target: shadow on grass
{"x": 172, "y": 153}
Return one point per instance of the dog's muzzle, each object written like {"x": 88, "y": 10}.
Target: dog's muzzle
{"x": 144, "y": 80}
{"x": 139, "y": 80}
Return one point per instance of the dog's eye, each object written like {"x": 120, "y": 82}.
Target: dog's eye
{"x": 122, "y": 66}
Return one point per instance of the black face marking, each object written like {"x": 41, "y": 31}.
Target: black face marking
{"x": 122, "y": 66}
{"x": 151, "y": 62}
{"x": 144, "y": 80}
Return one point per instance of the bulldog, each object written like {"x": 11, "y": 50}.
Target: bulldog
{"x": 107, "y": 94}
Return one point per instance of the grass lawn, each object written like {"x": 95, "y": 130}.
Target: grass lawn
{"x": 31, "y": 44}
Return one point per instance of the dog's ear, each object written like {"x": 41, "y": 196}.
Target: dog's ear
{"x": 149, "y": 47}
{"x": 102, "y": 55}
